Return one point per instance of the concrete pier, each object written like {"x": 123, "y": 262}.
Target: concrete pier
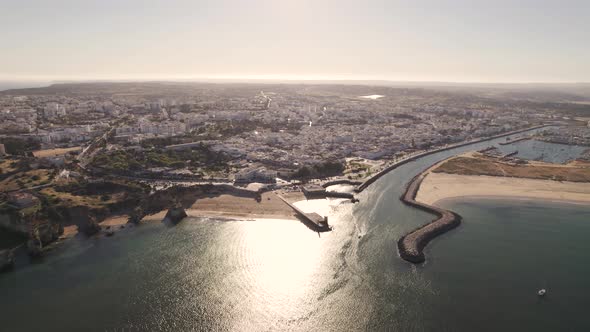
{"x": 311, "y": 220}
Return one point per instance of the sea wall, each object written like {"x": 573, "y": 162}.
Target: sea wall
{"x": 341, "y": 181}
{"x": 516, "y": 140}
{"x": 395, "y": 165}
{"x": 411, "y": 245}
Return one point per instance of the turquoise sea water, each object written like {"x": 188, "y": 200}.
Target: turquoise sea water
{"x": 277, "y": 275}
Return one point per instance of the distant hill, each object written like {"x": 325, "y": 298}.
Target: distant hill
{"x": 8, "y": 85}
{"x": 537, "y": 92}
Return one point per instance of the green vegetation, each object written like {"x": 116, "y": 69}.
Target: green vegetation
{"x": 9, "y": 166}
{"x": 27, "y": 179}
{"x": 329, "y": 168}
{"x": 94, "y": 194}
{"x": 123, "y": 161}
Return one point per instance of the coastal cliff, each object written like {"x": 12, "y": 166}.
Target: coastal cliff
{"x": 38, "y": 225}
{"x": 184, "y": 197}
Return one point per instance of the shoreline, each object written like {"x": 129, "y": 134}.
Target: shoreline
{"x": 423, "y": 192}
{"x": 440, "y": 187}
{"x": 196, "y": 213}
{"x": 226, "y": 205}
{"x": 441, "y": 202}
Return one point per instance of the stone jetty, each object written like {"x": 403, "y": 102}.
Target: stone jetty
{"x": 411, "y": 245}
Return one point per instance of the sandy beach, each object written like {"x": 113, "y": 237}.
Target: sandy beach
{"x": 439, "y": 186}
{"x": 229, "y": 206}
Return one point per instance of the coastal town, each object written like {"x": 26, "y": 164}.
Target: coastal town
{"x": 75, "y": 155}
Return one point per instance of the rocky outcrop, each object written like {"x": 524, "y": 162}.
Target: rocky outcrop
{"x": 34, "y": 247}
{"x": 184, "y": 197}
{"x": 85, "y": 218}
{"x": 41, "y": 235}
{"x": 175, "y": 215}
{"x": 6, "y": 260}
{"x": 13, "y": 222}
{"x": 37, "y": 227}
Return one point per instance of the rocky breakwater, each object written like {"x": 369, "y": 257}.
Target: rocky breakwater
{"x": 411, "y": 245}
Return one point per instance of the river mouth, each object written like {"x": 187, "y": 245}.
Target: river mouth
{"x": 220, "y": 274}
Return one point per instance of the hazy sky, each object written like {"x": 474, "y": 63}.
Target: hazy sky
{"x": 506, "y": 41}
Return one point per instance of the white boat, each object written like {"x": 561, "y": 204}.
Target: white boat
{"x": 542, "y": 292}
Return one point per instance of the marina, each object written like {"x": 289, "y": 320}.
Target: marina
{"x": 284, "y": 271}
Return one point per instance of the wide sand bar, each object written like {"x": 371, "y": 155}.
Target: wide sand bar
{"x": 438, "y": 186}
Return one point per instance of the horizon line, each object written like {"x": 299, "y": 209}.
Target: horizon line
{"x": 271, "y": 78}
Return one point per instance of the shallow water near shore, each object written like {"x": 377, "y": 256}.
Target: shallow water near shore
{"x": 268, "y": 275}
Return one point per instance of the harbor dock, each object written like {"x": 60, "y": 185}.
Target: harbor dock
{"x": 312, "y": 220}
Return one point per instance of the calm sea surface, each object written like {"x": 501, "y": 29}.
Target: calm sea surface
{"x": 544, "y": 151}
{"x": 268, "y": 275}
